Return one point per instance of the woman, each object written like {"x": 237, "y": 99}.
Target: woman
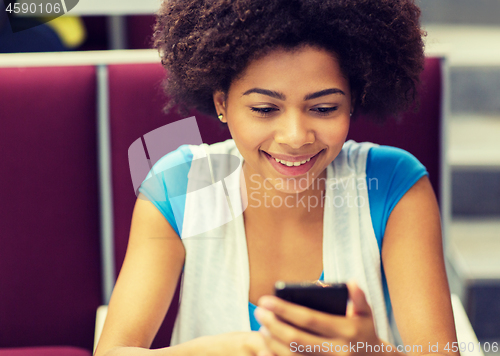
{"x": 287, "y": 77}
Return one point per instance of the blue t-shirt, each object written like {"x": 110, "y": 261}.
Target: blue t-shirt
{"x": 390, "y": 173}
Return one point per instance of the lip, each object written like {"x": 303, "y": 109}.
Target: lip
{"x": 293, "y": 171}
{"x": 291, "y": 158}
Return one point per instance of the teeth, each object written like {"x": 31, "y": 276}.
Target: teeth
{"x": 290, "y": 164}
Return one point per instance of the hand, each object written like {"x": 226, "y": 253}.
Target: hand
{"x": 232, "y": 344}
{"x": 291, "y": 329}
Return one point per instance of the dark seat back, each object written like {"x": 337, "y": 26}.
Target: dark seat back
{"x": 50, "y": 278}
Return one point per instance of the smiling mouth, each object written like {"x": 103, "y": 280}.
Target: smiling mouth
{"x": 292, "y": 163}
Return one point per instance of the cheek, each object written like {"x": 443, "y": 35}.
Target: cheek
{"x": 247, "y": 134}
{"x": 334, "y": 135}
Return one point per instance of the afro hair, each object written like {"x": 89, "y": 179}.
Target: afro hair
{"x": 205, "y": 45}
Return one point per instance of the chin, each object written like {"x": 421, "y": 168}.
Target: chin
{"x": 292, "y": 185}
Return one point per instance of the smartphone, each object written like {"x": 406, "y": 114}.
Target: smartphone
{"x": 325, "y": 297}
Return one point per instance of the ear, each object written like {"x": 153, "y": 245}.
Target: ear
{"x": 220, "y": 103}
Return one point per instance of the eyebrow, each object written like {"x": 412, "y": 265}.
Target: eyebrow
{"x": 281, "y": 96}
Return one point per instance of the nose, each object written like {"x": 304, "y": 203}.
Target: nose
{"x": 294, "y": 130}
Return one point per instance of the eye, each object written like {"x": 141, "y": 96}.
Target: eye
{"x": 263, "y": 111}
{"x": 325, "y": 111}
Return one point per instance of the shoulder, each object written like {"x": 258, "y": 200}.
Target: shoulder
{"x": 392, "y": 157}
{"x": 228, "y": 146}
{"x": 376, "y": 159}
{"x": 190, "y": 162}
{"x": 395, "y": 169}
{"x": 171, "y": 168}
{"x": 215, "y": 161}
{"x": 175, "y": 161}
{"x": 352, "y": 158}
{"x": 181, "y": 155}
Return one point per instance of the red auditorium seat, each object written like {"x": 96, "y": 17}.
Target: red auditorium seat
{"x": 50, "y": 283}
{"x": 45, "y": 351}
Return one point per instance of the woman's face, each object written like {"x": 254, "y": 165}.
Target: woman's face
{"x": 290, "y": 106}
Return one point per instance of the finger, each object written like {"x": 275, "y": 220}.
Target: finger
{"x": 358, "y": 305}
{"x": 308, "y": 319}
{"x": 274, "y": 345}
{"x": 260, "y": 348}
{"x": 283, "y": 332}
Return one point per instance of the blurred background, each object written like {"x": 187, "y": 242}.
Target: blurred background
{"x": 467, "y": 31}
{"x": 471, "y": 31}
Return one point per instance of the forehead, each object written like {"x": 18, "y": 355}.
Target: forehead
{"x": 283, "y": 69}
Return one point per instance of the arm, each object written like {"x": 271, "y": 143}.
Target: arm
{"x": 146, "y": 283}
{"x": 412, "y": 255}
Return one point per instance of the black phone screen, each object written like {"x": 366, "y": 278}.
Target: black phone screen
{"x": 325, "y": 297}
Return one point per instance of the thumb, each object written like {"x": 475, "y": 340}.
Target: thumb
{"x": 357, "y": 306}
